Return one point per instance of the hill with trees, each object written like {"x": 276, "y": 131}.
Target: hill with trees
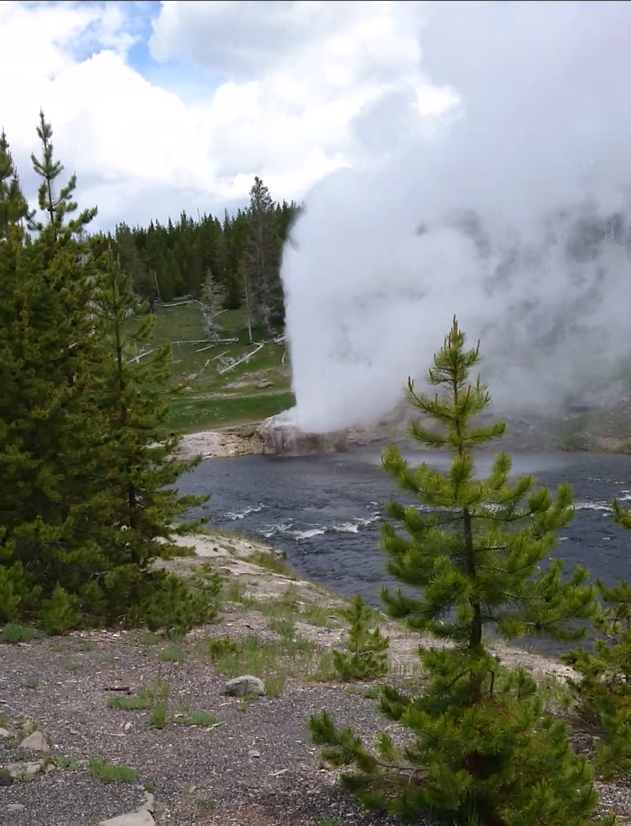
{"x": 239, "y": 255}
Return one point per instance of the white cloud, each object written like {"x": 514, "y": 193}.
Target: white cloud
{"x": 181, "y": 112}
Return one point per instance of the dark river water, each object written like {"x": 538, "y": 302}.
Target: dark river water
{"x": 324, "y": 511}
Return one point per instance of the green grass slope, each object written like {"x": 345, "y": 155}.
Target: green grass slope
{"x": 248, "y": 392}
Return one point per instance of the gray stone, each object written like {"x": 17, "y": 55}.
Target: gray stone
{"x": 4, "y": 733}
{"x": 149, "y": 805}
{"x": 139, "y": 818}
{"x": 16, "y": 807}
{"x": 244, "y": 685}
{"x": 18, "y": 770}
{"x": 35, "y": 742}
{"x": 254, "y": 753}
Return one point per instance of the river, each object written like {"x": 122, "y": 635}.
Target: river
{"x": 324, "y": 511}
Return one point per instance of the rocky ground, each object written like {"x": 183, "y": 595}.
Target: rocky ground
{"x": 596, "y": 430}
{"x": 130, "y": 729}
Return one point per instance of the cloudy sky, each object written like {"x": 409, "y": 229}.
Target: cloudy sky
{"x": 172, "y": 105}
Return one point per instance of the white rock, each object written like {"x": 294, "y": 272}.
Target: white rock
{"x": 254, "y": 753}
{"x": 244, "y": 685}
{"x": 23, "y": 769}
{"x": 4, "y": 733}
{"x": 149, "y": 805}
{"x": 35, "y": 742}
{"x": 140, "y": 818}
{"x": 16, "y": 807}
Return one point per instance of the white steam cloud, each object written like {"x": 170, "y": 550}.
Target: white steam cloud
{"x": 515, "y": 215}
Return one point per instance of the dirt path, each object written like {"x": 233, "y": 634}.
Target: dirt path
{"x": 194, "y": 755}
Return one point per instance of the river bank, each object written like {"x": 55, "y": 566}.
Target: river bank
{"x": 136, "y": 730}
{"x": 262, "y": 572}
{"x": 568, "y": 435}
{"x": 591, "y": 430}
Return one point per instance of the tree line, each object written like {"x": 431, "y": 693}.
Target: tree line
{"x": 235, "y": 259}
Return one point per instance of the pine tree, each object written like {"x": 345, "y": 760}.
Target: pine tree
{"x": 366, "y": 648}
{"x": 14, "y": 210}
{"x": 86, "y": 503}
{"x": 47, "y": 434}
{"x": 263, "y": 255}
{"x": 131, "y": 386}
{"x": 603, "y": 689}
{"x": 58, "y": 206}
{"x": 485, "y": 750}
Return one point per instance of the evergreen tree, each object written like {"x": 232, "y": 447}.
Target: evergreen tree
{"x": 87, "y": 502}
{"x": 131, "y": 391}
{"x": 263, "y": 255}
{"x": 13, "y": 213}
{"x": 167, "y": 261}
{"x": 14, "y": 208}
{"x": 603, "y": 690}
{"x": 366, "y": 654}
{"x": 485, "y": 751}
{"x": 47, "y": 433}
{"x": 133, "y": 263}
{"x": 57, "y": 205}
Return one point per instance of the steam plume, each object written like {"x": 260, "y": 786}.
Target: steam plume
{"x": 515, "y": 215}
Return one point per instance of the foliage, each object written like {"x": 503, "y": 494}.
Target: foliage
{"x": 212, "y": 299}
{"x": 484, "y": 750}
{"x": 263, "y": 289}
{"x": 47, "y": 431}
{"x": 366, "y": 649}
{"x": 131, "y": 385}
{"x": 603, "y": 689}
{"x": 13, "y": 205}
{"x": 87, "y": 503}
{"x": 174, "y": 259}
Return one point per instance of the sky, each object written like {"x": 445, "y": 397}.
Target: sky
{"x": 160, "y": 107}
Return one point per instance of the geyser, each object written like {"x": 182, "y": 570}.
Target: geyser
{"x": 283, "y": 437}
{"x": 512, "y": 211}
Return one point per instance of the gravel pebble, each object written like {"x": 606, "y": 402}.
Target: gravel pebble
{"x": 255, "y": 767}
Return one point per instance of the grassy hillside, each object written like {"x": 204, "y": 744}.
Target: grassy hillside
{"x": 247, "y": 392}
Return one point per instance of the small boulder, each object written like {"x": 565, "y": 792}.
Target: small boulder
{"x": 19, "y": 770}
{"x": 139, "y": 818}
{"x": 4, "y": 732}
{"x": 244, "y": 685}
{"x": 35, "y": 742}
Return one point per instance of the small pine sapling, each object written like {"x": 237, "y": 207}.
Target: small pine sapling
{"x": 366, "y": 654}
{"x": 484, "y": 751}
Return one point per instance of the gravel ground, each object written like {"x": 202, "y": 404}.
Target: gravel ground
{"x": 254, "y": 767}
